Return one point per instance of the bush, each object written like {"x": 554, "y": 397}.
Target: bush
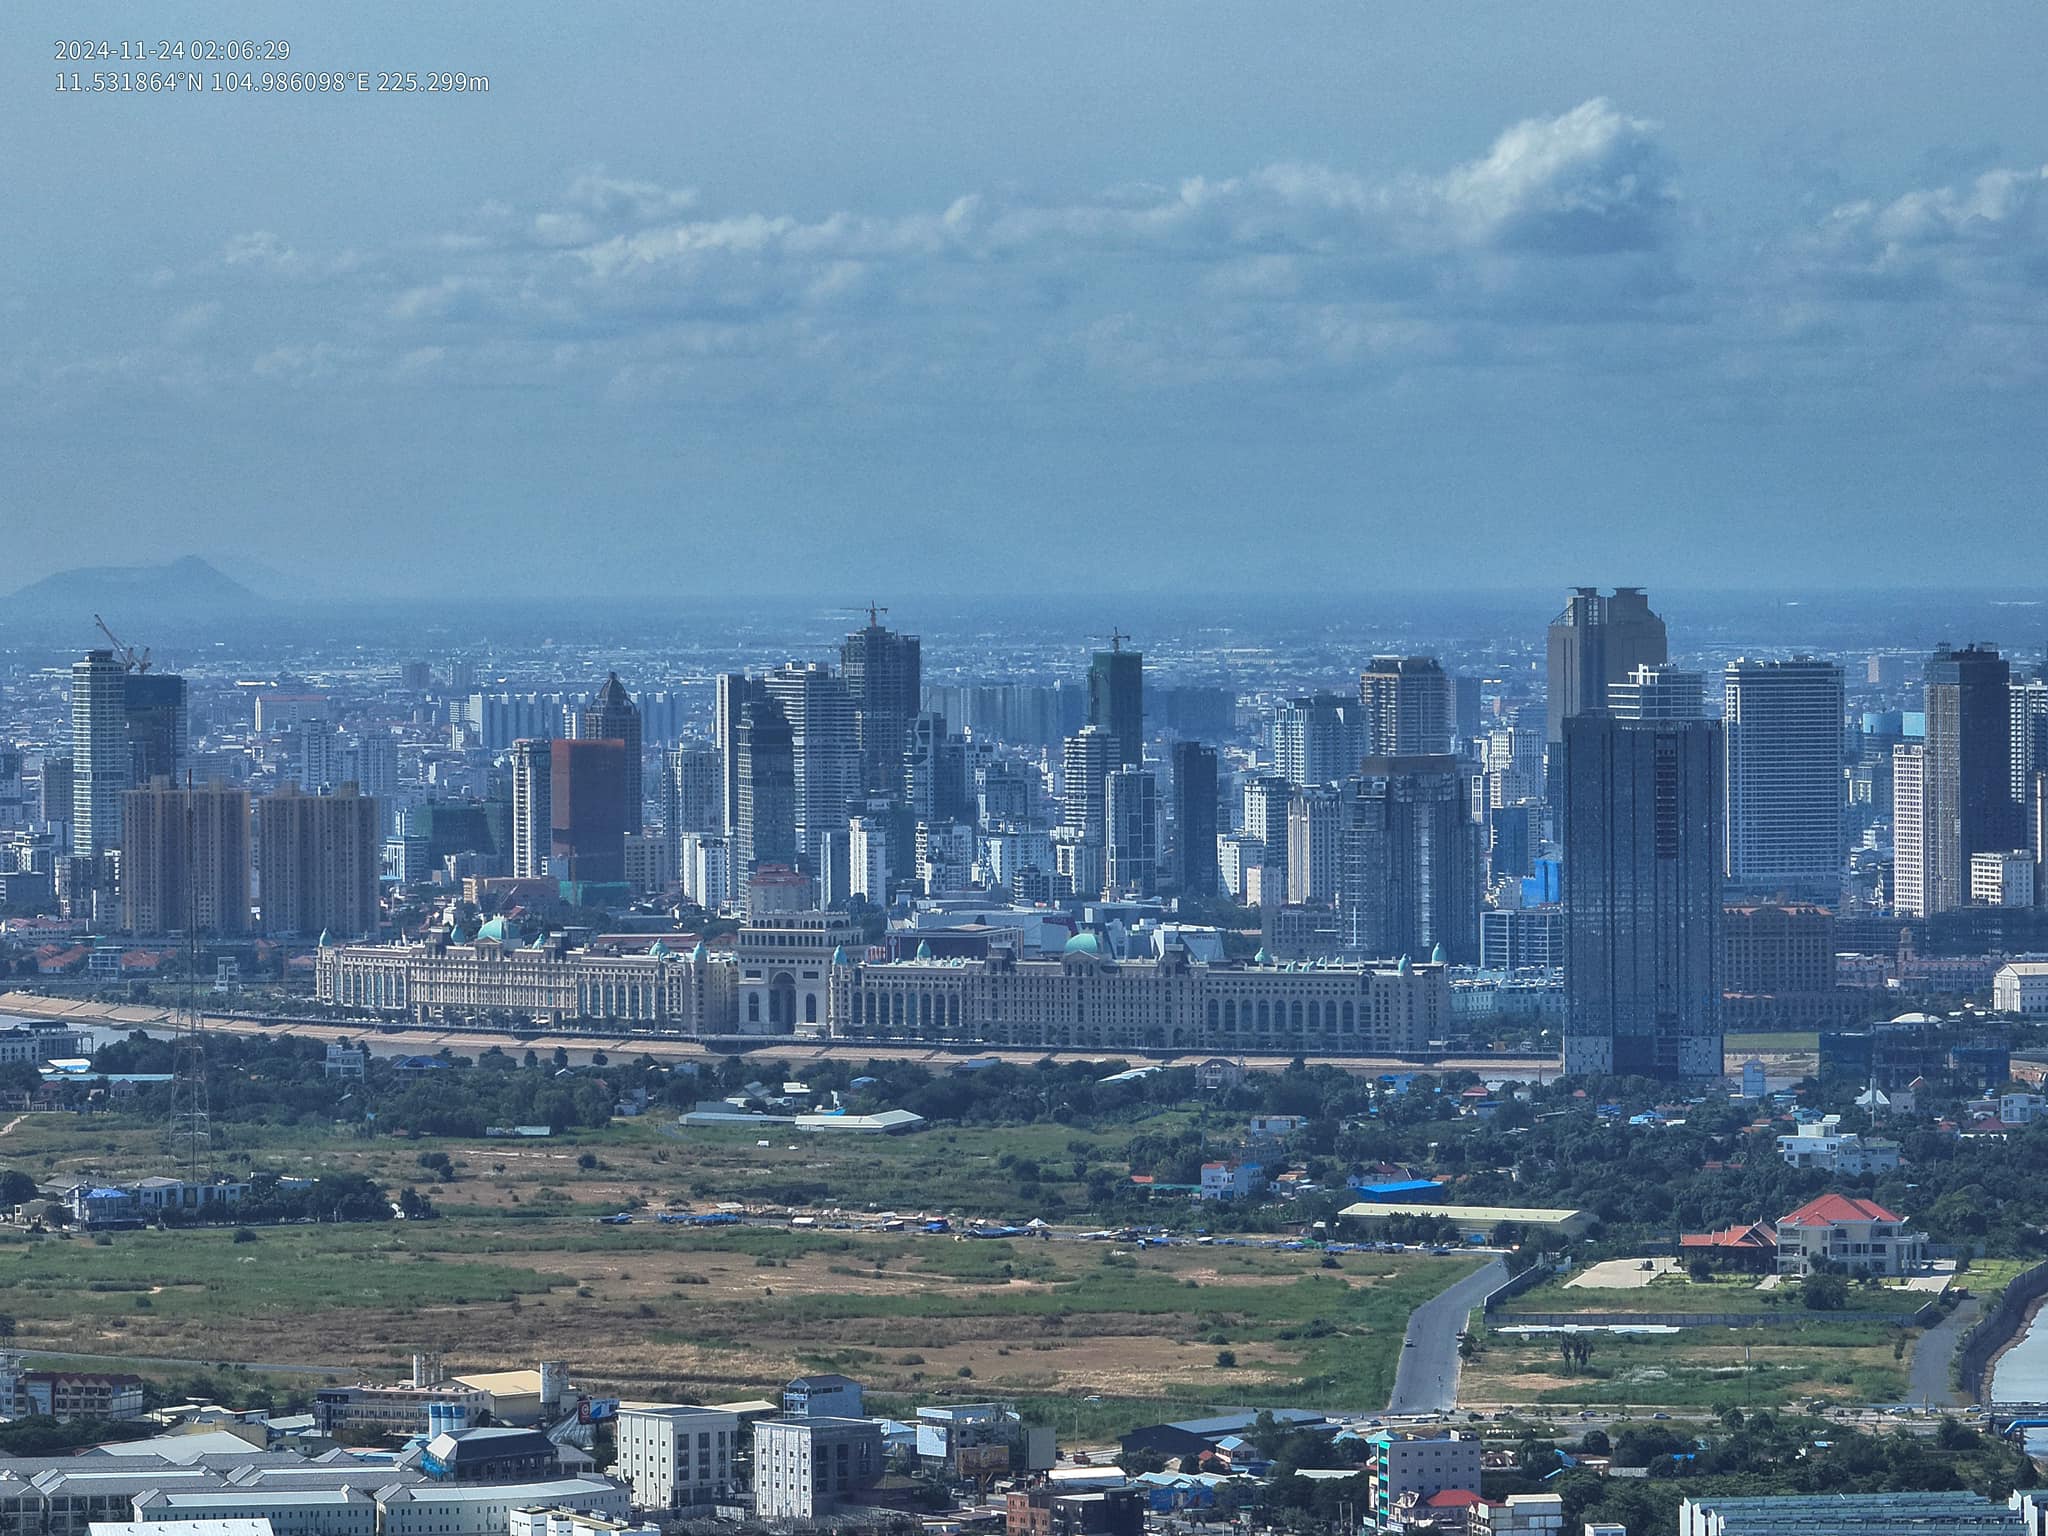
{"x": 1226, "y": 1358}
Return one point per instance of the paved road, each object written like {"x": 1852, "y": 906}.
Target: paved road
{"x": 1426, "y": 1381}
{"x": 1930, "y": 1382}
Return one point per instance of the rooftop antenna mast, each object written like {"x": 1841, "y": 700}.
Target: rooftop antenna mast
{"x": 1117, "y": 638}
{"x": 191, "y": 1128}
{"x": 131, "y": 659}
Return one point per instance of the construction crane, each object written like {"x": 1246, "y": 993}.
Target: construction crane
{"x": 874, "y": 611}
{"x": 1117, "y": 638}
{"x": 130, "y": 661}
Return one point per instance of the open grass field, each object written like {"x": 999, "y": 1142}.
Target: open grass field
{"x": 516, "y": 1269}
{"x": 1696, "y": 1368}
{"x": 1724, "y": 1293}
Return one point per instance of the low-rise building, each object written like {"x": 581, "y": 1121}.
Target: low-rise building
{"x": 676, "y": 1457}
{"x": 1403, "y": 1468}
{"x": 1843, "y": 1152}
{"x": 1232, "y": 1181}
{"x": 804, "y": 1468}
{"x": 486, "y": 1509}
{"x": 1850, "y": 1514}
{"x": 2021, "y": 987}
{"x": 555, "y": 1520}
{"x": 498, "y": 1454}
{"x": 1052, "y": 1511}
{"x": 822, "y": 1397}
{"x": 152, "y": 1199}
{"x": 1519, "y": 1514}
{"x": 289, "y": 1511}
{"x": 1846, "y": 1233}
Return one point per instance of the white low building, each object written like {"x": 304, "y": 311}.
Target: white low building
{"x": 2021, "y": 987}
{"x": 676, "y": 1457}
{"x": 1843, "y": 1152}
{"x": 486, "y": 1509}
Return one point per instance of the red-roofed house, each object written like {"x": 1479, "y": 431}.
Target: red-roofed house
{"x": 1751, "y": 1246}
{"x": 1852, "y": 1234}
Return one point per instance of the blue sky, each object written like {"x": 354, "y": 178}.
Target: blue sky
{"x": 707, "y": 298}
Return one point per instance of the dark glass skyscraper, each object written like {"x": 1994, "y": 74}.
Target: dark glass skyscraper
{"x": 884, "y": 673}
{"x": 765, "y": 767}
{"x": 1969, "y": 805}
{"x": 1194, "y": 868}
{"x": 1594, "y": 642}
{"x": 589, "y": 785}
{"x": 1116, "y": 701}
{"x": 612, "y": 716}
{"x": 1642, "y": 896}
{"x": 1410, "y": 881}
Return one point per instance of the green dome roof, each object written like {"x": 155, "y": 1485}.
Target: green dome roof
{"x": 924, "y": 950}
{"x": 499, "y": 930}
{"x": 839, "y": 955}
{"x": 1083, "y": 944}
{"x": 1436, "y": 955}
{"x": 700, "y": 953}
{"x": 325, "y": 941}
{"x": 658, "y": 951}
{"x": 1262, "y": 958}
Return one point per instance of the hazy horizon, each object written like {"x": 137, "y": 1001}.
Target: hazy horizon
{"x": 1061, "y": 300}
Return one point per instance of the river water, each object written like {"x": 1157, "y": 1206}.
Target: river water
{"x": 2021, "y": 1376}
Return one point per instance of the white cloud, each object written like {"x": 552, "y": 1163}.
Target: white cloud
{"x": 1565, "y": 247}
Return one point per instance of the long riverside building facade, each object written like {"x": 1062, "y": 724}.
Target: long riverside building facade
{"x": 550, "y": 983}
{"x": 1080, "y": 999}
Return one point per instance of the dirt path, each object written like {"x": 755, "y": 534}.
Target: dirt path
{"x": 10, "y": 1125}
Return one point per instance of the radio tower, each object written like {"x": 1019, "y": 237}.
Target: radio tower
{"x": 191, "y": 1117}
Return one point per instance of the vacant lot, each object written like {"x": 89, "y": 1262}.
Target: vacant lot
{"x": 1696, "y": 1368}
{"x": 1724, "y": 1293}
{"x": 517, "y": 1269}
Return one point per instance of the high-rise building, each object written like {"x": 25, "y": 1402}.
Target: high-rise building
{"x": 1085, "y": 766}
{"x": 1968, "y": 769}
{"x": 1194, "y": 819}
{"x": 764, "y": 758}
{"x": 318, "y": 862}
{"x": 1264, "y": 817}
{"x": 1782, "y": 730}
{"x": 56, "y": 803}
{"x": 691, "y": 783}
{"x": 2029, "y": 698}
{"x": 1319, "y": 739}
{"x": 735, "y": 690}
{"x": 867, "y": 859}
{"x": 1116, "y": 700}
{"x": 1642, "y": 896}
{"x": 1594, "y": 642}
{"x": 1407, "y": 708}
{"x": 154, "y": 706}
{"x": 612, "y": 716}
{"x": 1131, "y": 810}
{"x": 590, "y": 808}
{"x": 826, "y": 753}
{"x": 1410, "y": 878}
{"x": 1315, "y": 845}
{"x": 102, "y": 759}
{"x": 1909, "y": 829}
{"x": 533, "y": 808}
{"x": 933, "y": 762}
{"x": 13, "y": 798}
{"x": 1006, "y": 793}
{"x": 185, "y": 859}
{"x": 1658, "y": 693}
{"x": 883, "y": 672}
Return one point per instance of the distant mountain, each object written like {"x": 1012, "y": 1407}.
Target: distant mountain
{"x": 187, "y": 588}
